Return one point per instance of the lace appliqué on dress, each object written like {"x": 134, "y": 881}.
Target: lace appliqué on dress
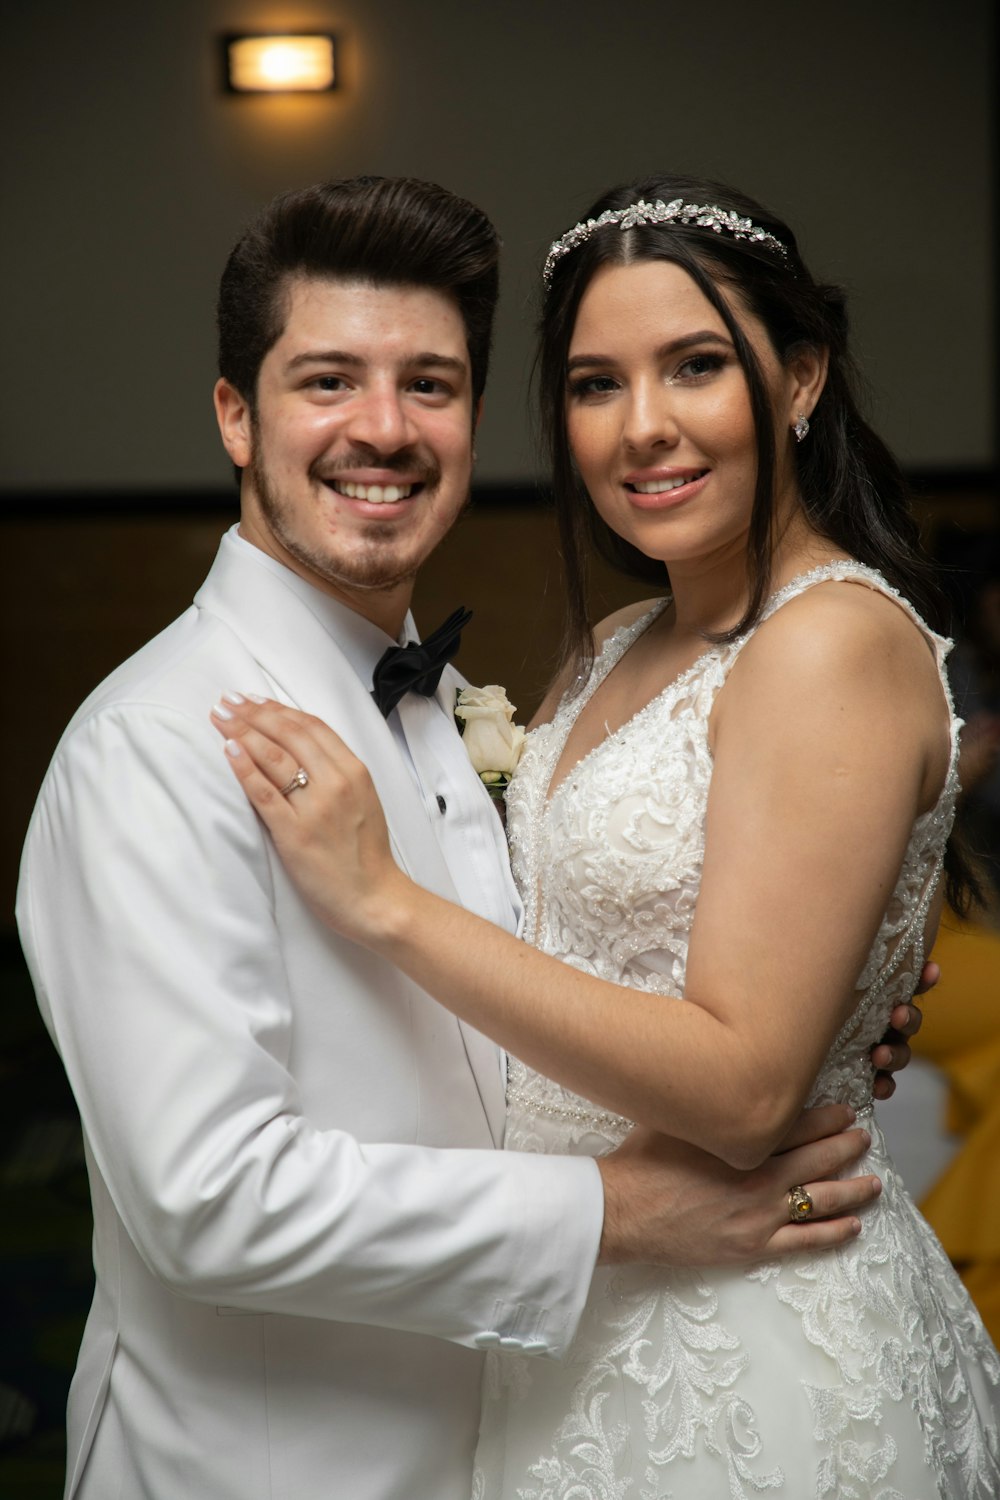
{"x": 862, "y": 1375}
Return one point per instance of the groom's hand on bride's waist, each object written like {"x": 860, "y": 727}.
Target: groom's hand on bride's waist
{"x": 893, "y": 1051}
{"x": 669, "y": 1203}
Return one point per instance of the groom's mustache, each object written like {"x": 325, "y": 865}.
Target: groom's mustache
{"x": 409, "y": 466}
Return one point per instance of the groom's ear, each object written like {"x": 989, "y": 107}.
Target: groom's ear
{"x": 232, "y": 412}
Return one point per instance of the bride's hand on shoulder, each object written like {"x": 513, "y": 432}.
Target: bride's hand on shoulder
{"x": 319, "y": 805}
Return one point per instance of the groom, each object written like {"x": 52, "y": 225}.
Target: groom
{"x": 304, "y": 1233}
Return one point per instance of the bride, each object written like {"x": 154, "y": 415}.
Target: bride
{"x": 736, "y": 795}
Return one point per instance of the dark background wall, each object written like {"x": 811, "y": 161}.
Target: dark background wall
{"x": 129, "y": 174}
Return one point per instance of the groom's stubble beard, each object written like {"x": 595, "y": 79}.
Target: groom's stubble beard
{"x": 374, "y": 564}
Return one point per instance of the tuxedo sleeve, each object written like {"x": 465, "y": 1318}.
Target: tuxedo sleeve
{"x": 146, "y": 908}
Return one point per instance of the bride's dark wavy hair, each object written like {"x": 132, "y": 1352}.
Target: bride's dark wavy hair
{"x": 852, "y": 488}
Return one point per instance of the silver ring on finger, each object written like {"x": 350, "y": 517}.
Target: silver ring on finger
{"x": 299, "y": 779}
{"x": 800, "y": 1205}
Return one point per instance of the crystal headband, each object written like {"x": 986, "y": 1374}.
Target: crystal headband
{"x": 721, "y": 220}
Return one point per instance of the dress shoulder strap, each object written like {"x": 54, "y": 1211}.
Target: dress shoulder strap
{"x": 614, "y": 648}
{"x": 848, "y": 571}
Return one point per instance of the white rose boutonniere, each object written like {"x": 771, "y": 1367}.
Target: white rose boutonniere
{"x": 486, "y": 719}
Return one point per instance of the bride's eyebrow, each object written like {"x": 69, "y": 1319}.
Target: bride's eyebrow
{"x": 673, "y": 346}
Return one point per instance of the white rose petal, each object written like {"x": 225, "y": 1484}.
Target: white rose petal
{"x": 475, "y": 703}
{"x": 493, "y": 743}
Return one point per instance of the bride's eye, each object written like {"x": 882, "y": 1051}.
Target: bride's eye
{"x": 591, "y": 385}
{"x": 701, "y": 366}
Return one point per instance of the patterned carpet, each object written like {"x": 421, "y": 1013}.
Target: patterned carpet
{"x": 46, "y": 1280}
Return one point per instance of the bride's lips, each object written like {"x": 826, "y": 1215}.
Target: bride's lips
{"x": 660, "y": 489}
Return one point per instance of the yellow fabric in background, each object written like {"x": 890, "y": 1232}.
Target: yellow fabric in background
{"x": 961, "y": 1036}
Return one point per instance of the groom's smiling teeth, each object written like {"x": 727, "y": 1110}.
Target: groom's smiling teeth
{"x": 375, "y": 494}
{"x": 660, "y": 486}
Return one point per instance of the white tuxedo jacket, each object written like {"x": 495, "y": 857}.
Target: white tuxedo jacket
{"x": 294, "y": 1280}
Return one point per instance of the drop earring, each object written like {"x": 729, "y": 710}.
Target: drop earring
{"x": 800, "y": 426}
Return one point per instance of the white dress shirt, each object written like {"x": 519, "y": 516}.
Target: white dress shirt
{"x": 458, "y": 807}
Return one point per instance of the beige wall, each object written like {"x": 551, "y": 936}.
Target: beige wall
{"x": 128, "y": 174}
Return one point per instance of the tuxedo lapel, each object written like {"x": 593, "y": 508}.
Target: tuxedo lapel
{"x": 308, "y": 670}
{"x": 482, "y": 1053}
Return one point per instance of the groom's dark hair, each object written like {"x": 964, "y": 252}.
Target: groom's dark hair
{"x": 387, "y": 231}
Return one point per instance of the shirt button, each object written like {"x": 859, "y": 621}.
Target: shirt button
{"x": 442, "y": 805}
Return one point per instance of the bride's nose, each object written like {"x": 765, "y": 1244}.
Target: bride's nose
{"x": 650, "y": 420}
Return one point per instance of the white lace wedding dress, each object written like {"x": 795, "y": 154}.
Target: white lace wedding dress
{"x": 863, "y": 1374}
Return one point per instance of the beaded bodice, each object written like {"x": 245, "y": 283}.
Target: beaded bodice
{"x": 609, "y": 868}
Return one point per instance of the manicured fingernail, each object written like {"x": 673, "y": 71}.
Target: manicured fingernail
{"x": 221, "y": 712}
{"x": 856, "y": 1225}
{"x": 233, "y": 748}
{"x": 234, "y": 697}
{"x": 878, "y": 1186}
{"x": 866, "y": 1138}
{"x": 255, "y": 699}
{"x": 853, "y": 1114}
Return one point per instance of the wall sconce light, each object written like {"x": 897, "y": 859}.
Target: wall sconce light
{"x": 289, "y": 63}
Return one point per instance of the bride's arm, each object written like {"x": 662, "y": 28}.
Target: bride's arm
{"x": 814, "y": 793}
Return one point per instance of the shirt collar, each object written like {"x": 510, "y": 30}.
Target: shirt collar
{"x": 360, "y": 641}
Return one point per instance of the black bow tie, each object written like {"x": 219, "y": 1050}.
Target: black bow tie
{"x": 417, "y": 666}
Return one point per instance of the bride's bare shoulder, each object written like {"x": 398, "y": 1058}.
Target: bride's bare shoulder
{"x": 862, "y": 646}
